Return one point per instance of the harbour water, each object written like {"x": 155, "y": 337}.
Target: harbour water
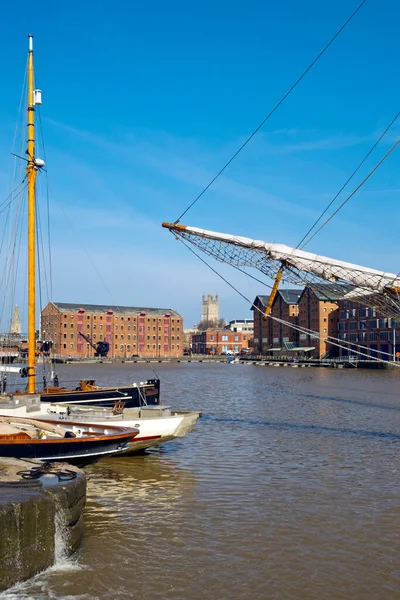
{"x": 288, "y": 488}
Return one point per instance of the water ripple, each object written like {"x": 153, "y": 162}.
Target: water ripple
{"x": 286, "y": 489}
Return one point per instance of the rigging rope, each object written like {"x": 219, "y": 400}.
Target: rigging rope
{"x": 38, "y": 264}
{"x": 47, "y": 205}
{"x": 11, "y": 196}
{"x": 310, "y": 66}
{"x": 87, "y": 254}
{"x": 303, "y": 241}
{"x": 11, "y": 260}
{"x": 353, "y": 192}
{"x": 21, "y": 118}
{"x": 40, "y": 248}
{"x": 16, "y": 260}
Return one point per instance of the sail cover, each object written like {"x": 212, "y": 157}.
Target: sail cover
{"x": 370, "y": 287}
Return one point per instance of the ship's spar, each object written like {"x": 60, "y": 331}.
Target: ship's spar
{"x": 378, "y": 289}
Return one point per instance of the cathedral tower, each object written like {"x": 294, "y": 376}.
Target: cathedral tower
{"x": 210, "y": 309}
{"x": 16, "y": 322}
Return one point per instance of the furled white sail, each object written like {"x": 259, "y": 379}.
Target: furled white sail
{"x": 348, "y": 280}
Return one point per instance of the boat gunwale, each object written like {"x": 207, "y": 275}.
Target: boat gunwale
{"x": 119, "y": 433}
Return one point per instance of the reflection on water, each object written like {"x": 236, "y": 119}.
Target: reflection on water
{"x": 135, "y": 488}
{"x": 287, "y": 488}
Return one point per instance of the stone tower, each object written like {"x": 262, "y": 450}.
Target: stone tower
{"x": 16, "y": 322}
{"x": 209, "y": 309}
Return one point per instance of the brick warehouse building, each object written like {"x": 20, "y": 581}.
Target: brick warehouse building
{"x": 271, "y": 335}
{"x": 378, "y": 336}
{"x": 314, "y": 309}
{"x": 218, "y": 341}
{"x": 318, "y": 311}
{"x": 129, "y": 330}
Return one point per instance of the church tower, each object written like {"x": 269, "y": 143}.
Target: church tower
{"x": 210, "y": 309}
{"x": 16, "y": 328}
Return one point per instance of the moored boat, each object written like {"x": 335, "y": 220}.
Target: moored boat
{"x": 155, "y": 424}
{"x": 74, "y": 442}
{"x": 142, "y": 394}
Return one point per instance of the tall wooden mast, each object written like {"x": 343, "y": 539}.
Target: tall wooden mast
{"x": 31, "y": 169}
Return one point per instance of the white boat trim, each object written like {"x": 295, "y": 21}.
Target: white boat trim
{"x": 83, "y": 455}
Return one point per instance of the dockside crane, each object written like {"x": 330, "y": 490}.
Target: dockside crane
{"x": 100, "y": 348}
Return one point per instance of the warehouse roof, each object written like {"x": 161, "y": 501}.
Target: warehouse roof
{"x": 288, "y": 296}
{"x": 330, "y": 292}
{"x": 122, "y": 310}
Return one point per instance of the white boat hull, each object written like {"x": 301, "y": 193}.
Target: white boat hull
{"x": 156, "y": 425}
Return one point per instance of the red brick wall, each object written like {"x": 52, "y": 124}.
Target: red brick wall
{"x": 127, "y": 334}
{"x": 321, "y": 316}
{"x": 269, "y": 332}
{"x": 214, "y": 341}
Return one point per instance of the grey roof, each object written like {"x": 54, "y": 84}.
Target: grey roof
{"x": 291, "y": 296}
{"x": 330, "y": 291}
{"x": 122, "y": 310}
{"x": 288, "y": 296}
{"x": 323, "y": 291}
{"x": 263, "y": 300}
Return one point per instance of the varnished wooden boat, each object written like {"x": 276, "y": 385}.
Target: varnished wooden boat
{"x": 74, "y": 442}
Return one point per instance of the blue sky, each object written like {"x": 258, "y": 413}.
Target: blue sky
{"x": 144, "y": 102}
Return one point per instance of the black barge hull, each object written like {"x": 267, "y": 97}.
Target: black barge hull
{"x": 131, "y": 396}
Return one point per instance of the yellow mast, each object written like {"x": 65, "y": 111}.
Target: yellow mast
{"x": 31, "y": 169}
{"x": 274, "y": 291}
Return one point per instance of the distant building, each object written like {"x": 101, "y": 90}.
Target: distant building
{"x": 219, "y": 341}
{"x": 244, "y": 325}
{"x": 187, "y": 339}
{"x": 210, "y": 309}
{"x": 129, "y": 330}
{"x": 16, "y": 328}
{"x": 378, "y": 336}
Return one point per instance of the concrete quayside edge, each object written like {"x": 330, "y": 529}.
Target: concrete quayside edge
{"x": 37, "y": 516}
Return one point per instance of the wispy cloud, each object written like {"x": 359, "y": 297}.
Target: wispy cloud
{"x": 138, "y": 171}
{"x": 172, "y": 160}
{"x": 334, "y": 142}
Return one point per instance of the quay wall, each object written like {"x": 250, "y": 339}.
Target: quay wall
{"x": 338, "y": 363}
{"x": 40, "y": 520}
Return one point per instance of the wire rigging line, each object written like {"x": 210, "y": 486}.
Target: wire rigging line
{"x": 10, "y": 198}
{"x": 281, "y": 101}
{"x": 302, "y": 242}
{"x": 47, "y": 205}
{"x": 353, "y": 192}
{"x": 87, "y": 254}
{"x": 40, "y": 245}
{"x": 16, "y": 258}
{"x": 252, "y": 276}
{"x": 8, "y": 280}
{"x": 20, "y": 117}
{"x": 41, "y": 264}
